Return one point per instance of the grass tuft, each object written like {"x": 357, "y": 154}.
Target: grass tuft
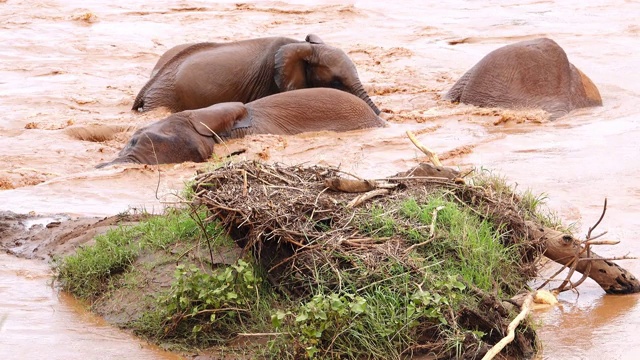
{"x": 85, "y": 273}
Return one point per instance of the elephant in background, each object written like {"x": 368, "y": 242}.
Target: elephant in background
{"x": 193, "y": 76}
{"x": 190, "y": 135}
{"x": 528, "y": 74}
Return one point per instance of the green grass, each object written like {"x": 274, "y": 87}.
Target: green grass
{"x": 86, "y": 273}
{"x": 202, "y": 307}
{"x": 471, "y": 246}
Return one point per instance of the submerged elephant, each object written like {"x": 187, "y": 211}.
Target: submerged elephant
{"x": 189, "y": 135}
{"x": 527, "y": 74}
{"x": 193, "y": 76}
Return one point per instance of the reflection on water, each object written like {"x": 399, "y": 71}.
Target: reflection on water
{"x": 61, "y": 66}
{"x": 587, "y": 326}
{"x": 37, "y": 322}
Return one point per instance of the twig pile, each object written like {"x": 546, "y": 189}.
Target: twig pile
{"x": 286, "y": 215}
{"x": 297, "y": 220}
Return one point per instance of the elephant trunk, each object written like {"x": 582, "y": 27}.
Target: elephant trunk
{"x": 118, "y": 160}
{"x": 362, "y": 94}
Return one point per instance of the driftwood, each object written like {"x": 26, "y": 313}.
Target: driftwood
{"x": 296, "y": 223}
{"x": 562, "y": 248}
{"x": 433, "y": 157}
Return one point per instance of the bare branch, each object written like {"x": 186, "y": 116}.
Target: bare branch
{"x": 604, "y": 210}
{"x": 602, "y": 242}
{"x": 610, "y": 258}
{"x": 366, "y": 196}
{"x": 526, "y": 308}
{"x": 587, "y": 248}
{"x": 430, "y": 154}
{"x": 432, "y": 229}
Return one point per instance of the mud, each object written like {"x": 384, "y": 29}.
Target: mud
{"x": 73, "y": 65}
{"x": 42, "y": 237}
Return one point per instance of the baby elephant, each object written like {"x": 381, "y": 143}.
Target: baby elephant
{"x": 525, "y": 75}
{"x": 193, "y": 76}
{"x": 189, "y": 135}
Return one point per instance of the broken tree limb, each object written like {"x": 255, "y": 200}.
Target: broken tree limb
{"x": 366, "y": 196}
{"x": 437, "y": 169}
{"x": 348, "y": 185}
{"x": 426, "y": 170}
{"x": 562, "y": 248}
{"x": 356, "y": 186}
{"x": 495, "y": 350}
{"x": 430, "y": 154}
{"x": 586, "y": 247}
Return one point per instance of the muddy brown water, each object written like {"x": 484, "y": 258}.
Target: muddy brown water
{"x": 74, "y": 63}
{"x": 38, "y": 322}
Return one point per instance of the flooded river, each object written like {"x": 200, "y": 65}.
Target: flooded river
{"x": 73, "y": 63}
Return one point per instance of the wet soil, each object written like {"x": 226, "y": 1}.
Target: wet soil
{"x": 41, "y": 237}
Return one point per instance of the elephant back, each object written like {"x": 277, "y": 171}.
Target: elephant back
{"x": 315, "y": 109}
{"x": 528, "y": 74}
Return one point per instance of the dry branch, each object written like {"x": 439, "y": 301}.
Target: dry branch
{"x": 348, "y": 185}
{"x": 495, "y": 350}
{"x": 364, "y": 197}
{"x": 432, "y": 228}
{"x": 611, "y": 277}
{"x": 433, "y": 157}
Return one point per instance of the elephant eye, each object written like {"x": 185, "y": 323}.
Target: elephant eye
{"x": 336, "y": 84}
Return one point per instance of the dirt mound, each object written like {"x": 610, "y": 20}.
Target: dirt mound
{"x": 308, "y": 234}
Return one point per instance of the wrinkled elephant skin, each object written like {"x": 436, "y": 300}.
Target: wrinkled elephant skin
{"x": 188, "y": 135}
{"x": 194, "y": 76}
{"x": 533, "y": 74}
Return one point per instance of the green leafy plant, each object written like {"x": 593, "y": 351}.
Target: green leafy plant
{"x": 380, "y": 322}
{"x": 206, "y": 300}
{"x": 322, "y": 318}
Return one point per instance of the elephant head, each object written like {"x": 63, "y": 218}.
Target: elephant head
{"x": 314, "y": 64}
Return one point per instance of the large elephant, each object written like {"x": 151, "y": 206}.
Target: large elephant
{"x": 193, "y": 76}
{"x": 528, "y": 74}
{"x": 191, "y": 134}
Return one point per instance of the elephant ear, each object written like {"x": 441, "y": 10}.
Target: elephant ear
{"x": 313, "y": 39}
{"x": 291, "y": 66}
{"x": 218, "y": 118}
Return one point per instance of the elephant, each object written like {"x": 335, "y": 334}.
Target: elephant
{"x": 193, "y": 76}
{"x": 527, "y": 75}
{"x": 190, "y": 135}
